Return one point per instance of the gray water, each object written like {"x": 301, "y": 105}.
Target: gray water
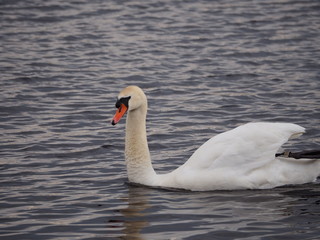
{"x": 206, "y": 66}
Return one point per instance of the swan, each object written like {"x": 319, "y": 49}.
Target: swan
{"x": 242, "y": 158}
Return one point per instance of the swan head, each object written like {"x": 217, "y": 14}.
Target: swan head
{"x": 129, "y": 99}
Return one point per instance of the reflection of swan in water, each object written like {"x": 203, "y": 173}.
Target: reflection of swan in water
{"x": 242, "y": 158}
{"x": 134, "y": 217}
{"x": 161, "y": 214}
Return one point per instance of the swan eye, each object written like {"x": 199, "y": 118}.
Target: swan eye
{"x": 123, "y": 100}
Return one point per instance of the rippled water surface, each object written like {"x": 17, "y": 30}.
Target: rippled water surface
{"x": 206, "y": 66}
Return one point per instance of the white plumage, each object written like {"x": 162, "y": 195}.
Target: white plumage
{"x": 242, "y": 158}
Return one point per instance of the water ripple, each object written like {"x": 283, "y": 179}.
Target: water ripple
{"x": 206, "y": 66}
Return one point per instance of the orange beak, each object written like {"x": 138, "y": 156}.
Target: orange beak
{"x": 119, "y": 114}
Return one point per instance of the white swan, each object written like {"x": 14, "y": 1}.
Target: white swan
{"x": 242, "y": 158}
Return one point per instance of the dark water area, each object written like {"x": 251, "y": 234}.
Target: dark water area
{"x": 206, "y": 67}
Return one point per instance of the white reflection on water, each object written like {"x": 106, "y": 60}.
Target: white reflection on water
{"x": 162, "y": 214}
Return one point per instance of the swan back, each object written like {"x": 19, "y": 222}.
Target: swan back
{"x": 244, "y": 148}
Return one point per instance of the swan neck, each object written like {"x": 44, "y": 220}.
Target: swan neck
{"x": 138, "y": 160}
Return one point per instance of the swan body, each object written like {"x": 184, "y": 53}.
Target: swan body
{"x": 242, "y": 158}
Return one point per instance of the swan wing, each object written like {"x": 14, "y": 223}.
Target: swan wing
{"x": 244, "y": 148}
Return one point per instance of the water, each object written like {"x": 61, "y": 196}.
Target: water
{"x": 206, "y": 66}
